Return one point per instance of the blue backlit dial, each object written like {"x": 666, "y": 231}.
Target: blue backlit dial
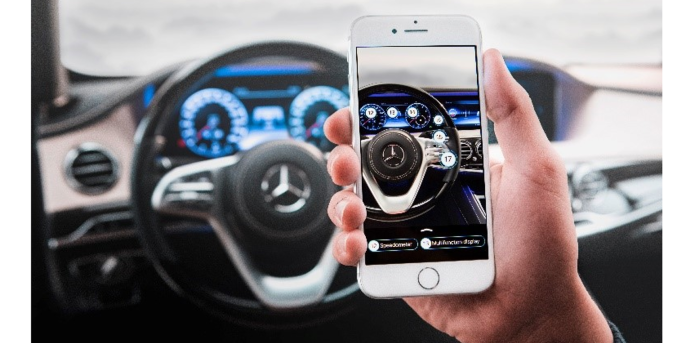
{"x": 309, "y": 111}
{"x": 418, "y": 115}
{"x": 212, "y": 122}
{"x": 372, "y": 117}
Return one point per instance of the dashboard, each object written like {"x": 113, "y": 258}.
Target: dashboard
{"x": 398, "y": 110}
{"x": 240, "y": 106}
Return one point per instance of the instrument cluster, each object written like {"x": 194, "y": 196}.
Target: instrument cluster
{"x": 241, "y": 106}
{"x": 395, "y": 110}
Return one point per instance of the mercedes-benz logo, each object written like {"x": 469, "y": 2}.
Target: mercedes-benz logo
{"x": 286, "y": 188}
{"x": 393, "y": 155}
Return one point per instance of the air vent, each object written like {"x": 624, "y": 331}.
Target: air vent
{"x": 465, "y": 150}
{"x": 589, "y": 184}
{"x": 479, "y": 149}
{"x": 91, "y": 169}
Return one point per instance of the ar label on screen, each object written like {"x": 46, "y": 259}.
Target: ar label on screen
{"x": 448, "y": 159}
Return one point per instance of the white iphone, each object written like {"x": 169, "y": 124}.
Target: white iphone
{"x": 419, "y": 127}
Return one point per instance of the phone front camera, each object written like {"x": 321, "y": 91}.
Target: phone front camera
{"x": 394, "y": 31}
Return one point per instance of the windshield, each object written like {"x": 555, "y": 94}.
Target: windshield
{"x": 135, "y": 37}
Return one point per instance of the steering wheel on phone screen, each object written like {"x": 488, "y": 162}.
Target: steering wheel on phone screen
{"x": 395, "y": 162}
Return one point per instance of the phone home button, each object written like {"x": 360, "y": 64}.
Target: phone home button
{"x": 428, "y": 278}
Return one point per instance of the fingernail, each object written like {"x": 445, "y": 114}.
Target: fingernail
{"x": 339, "y": 209}
{"x": 341, "y": 243}
{"x": 330, "y": 162}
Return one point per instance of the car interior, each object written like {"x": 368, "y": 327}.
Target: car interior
{"x": 191, "y": 202}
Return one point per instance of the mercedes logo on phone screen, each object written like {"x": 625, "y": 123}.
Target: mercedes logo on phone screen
{"x": 393, "y": 155}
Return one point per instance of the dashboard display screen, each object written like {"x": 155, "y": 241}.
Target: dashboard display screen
{"x": 241, "y": 106}
{"x": 421, "y": 150}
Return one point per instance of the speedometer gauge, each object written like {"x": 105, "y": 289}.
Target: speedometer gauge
{"x": 418, "y": 115}
{"x": 309, "y": 111}
{"x": 372, "y": 117}
{"x": 212, "y": 122}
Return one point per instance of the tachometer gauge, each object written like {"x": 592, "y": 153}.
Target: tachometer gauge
{"x": 372, "y": 117}
{"x": 309, "y": 111}
{"x": 418, "y": 115}
{"x": 212, "y": 122}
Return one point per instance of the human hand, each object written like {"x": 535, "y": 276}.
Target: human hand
{"x": 537, "y": 295}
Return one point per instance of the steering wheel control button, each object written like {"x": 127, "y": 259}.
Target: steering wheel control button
{"x": 428, "y": 278}
{"x": 448, "y": 159}
{"x": 394, "y": 155}
{"x": 190, "y": 194}
{"x": 439, "y": 136}
{"x": 438, "y": 120}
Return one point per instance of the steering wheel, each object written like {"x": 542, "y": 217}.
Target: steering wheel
{"x": 395, "y": 162}
{"x": 266, "y": 207}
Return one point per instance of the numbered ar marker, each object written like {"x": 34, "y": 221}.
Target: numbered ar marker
{"x": 370, "y": 112}
{"x": 373, "y": 246}
{"x": 425, "y": 243}
{"x": 439, "y": 135}
{"x": 438, "y": 120}
{"x": 412, "y": 112}
{"x": 392, "y": 112}
{"x": 448, "y": 159}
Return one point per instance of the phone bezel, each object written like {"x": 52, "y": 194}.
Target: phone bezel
{"x": 401, "y": 280}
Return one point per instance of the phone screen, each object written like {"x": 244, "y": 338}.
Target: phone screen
{"x": 422, "y": 154}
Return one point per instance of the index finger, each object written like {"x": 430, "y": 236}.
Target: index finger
{"x": 338, "y": 127}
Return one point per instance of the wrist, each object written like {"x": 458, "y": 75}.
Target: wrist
{"x": 574, "y": 318}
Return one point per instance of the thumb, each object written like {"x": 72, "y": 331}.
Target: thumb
{"x": 520, "y": 135}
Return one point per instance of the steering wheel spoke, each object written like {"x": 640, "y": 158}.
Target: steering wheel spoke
{"x": 190, "y": 190}
{"x": 279, "y": 293}
{"x": 433, "y": 151}
{"x": 399, "y": 203}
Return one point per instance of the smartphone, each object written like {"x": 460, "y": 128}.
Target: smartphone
{"x": 420, "y": 130}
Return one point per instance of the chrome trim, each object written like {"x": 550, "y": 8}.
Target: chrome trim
{"x": 280, "y": 293}
{"x": 471, "y": 150}
{"x": 601, "y": 224}
{"x": 476, "y": 148}
{"x": 83, "y": 229}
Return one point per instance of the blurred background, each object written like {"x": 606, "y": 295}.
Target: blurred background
{"x": 134, "y": 37}
{"x": 593, "y": 70}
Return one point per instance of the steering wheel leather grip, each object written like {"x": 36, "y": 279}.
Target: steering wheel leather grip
{"x": 410, "y": 157}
